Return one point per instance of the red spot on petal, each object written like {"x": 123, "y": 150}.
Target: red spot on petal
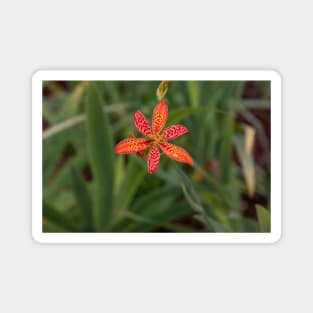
{"x": 131, "y": 145}
{"x": 176, "y": 153}
{"x": 174, "y": 131}
{"x": 153, "y": 159}
{"x": 142, "y": 123}
{"x": 159, "y": 116}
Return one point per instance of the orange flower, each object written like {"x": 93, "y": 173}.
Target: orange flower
{"x": 155, "y": 139}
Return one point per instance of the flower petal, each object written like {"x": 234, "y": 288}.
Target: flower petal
{"x": 174, "y": 131}
{"x": 153, "y": 159}
{"x": 159, "y": 117}
{"x": 131, "y": 145}
{"x": 176, "y": 153}
{"x": 142, "y": 123}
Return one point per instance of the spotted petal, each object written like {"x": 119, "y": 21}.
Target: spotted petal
{"x": 174, "y": 131}
{"x": 159, "y": 117}
{"x": 131, "y": 145}
{"x": 153, "y": 159}
{"x": 142, "y": 123}
{"x": 176, "y": 153}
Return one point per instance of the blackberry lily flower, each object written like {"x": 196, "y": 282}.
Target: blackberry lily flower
{"x": 155, "y": 139}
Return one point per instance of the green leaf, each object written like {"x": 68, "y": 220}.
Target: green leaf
{"x": 100, "y": 145}
{"x": 111, "y": 89}
{"x": 195, "y": 202}
{"x": 226, "y": 147}
{"x": 154, "y": 209}
{"x": 264, "y": 219}
{"x": 50, "y": 227}
{"x": 194, "y": 93}
{"x": 178, "y": 114}
{"x": 61, "y": 180}
{"x": 236, "y": 223}
{"x": 119, "y": 172}
{"x": 155, "y": 200}
{"x": 162, "y": 219}
{"x": 132, "y": 179}
{"x": 60, "y": 219}
{"x": 188, "y": 187}
{"x": 83, "y": 199}
{"x": 64, "y": 201}
{"x": 71, "y": 105}
{"x": 197, "y": 207}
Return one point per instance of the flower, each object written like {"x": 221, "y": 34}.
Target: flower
{"x": 155, "y": 139}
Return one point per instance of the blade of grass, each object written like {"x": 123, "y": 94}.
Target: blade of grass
{"x": 61, "y": 180}
{"x": 83, "y": 199}
{"x": 110, "y": 88}
{"x": 78, "y": 119}
{"x": 194, "y": 93}
{"x": 100, "y": 144}
{"x": 133, "y": 177}
{"x": 162, "y": 220}
{"x": 225, "y": 155}
{"x": 264, "y": 219}
{"x": 196, "y": 204}
{"x": 58, "y": 218}
{"x": 146, "y": 203}
{"x": 177, "y": 115}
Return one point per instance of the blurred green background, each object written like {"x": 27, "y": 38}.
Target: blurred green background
{"x": 87, "y": 188}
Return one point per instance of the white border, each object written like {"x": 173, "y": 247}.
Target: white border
{"x": 276, "y": 148}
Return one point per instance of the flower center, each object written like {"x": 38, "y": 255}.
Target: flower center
{"x": 156, "y": 138}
